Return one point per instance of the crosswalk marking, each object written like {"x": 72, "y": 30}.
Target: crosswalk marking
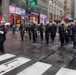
{"x": 6, "y": 56}
{"x": 64, "y": 71}
{"x": 37, "y": 69}
{"x": 8, "y": 66}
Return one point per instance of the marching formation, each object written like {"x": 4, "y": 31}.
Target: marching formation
{"x": 67, "y": 32}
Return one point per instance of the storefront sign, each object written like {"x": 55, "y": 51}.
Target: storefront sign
{"x": 23, "y": 11}
{"x": 18, "y": 10}
{"x": 12, "y": 9}
{"x": 43, "y": 18}
{"x": 35, "y": 13}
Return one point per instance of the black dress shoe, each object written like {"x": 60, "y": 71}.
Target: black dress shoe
{"x": 74, "y": 47}
{"x": 46, "y": 42}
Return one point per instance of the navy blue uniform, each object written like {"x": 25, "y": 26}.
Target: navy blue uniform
{"x": 41, "y": 29}
{"x": 34, "y": 32}
{"x": 67, "y": 35}
{"x": 74, "y": 35}
{"x": 2, "y": 38}
{"x": 70, "y": 32}
{"x": 29, "y": 31}
{"x": 53, "y": 30}
{"x": 47, "y": 33}
{"x": 62, "y": 34}
{"x": 22, "y": 31}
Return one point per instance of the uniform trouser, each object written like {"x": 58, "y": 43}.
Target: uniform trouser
{"x": 71, "y": 37}
{"x": 22, "y": 37}
{"x": 47, "y": 37}
{"x": 52, "y": 36}
{"x": 29, "y": 35}
{"x": 36, "y": 34}
{"x": 74, "y": 40}
{"x": 41, "y": 36}
{"x": 74, "y": 44}
{"x": 66, "y": 38}
{"x": 1, "y": 47}
{"x": 34, "y": 37}
{"x": 62, "y": 39}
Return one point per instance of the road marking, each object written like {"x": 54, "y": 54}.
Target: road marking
{"x": 8, "y": 66}
{"x": 36, "y": 69}
{"x": 6, "y": 56}
{"x": 64, "y": 71}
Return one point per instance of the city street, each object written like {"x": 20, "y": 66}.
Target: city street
{"x": 51, "y": 54}
{"x": 37, "y": 37}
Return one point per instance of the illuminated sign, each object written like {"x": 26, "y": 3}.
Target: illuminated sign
{"x": 23, "y": 11}
{"x": 12, "y": 9}
{"x": 18, "y": 10}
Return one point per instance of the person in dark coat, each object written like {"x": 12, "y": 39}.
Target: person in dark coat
{"x": 13, "y": 29}
{"x": 22, "y": 30}
{"x": 50, "y": 28}
{"x": 62, "y": 33}
{"x": 74, "y": 35}
{"x": 67, "y": 34}
{"x": 41, "y": 30}
{"x": 47, "y": 33}
{"x": 29, "y": 31}
{"x": 2, "y": 36}
{"x": 53, "y": 30}
{"x": 34, "y": 32}
{"x": 70, "y": 32}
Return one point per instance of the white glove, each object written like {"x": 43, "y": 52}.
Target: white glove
{"x": 2, "y": 32}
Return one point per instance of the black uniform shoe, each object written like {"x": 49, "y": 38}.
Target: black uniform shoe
{"x": 74, "y": 47}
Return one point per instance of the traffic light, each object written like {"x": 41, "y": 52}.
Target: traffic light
{"x": 34, "y": 2}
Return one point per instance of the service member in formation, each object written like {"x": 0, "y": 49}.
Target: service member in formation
{"x": 70, "y": 28}
{"x": 29, "y": 31}
{"x": 2, "y": 36}
{"x": 62, "y": 33}
{"x": 67, "y": 34}
{"x": 53, "y": 29}
{"x": 41, "y": 30}
{"x": 74, "y": 35}
{"x": 22, "y": 29}
{"x": 47, "y": 32}
{"x": 34, "y": 32}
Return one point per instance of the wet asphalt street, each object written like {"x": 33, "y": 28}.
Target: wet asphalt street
{"x": 51, "y": 53}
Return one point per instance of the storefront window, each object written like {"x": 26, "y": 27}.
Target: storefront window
{"x": 18, "y": 3}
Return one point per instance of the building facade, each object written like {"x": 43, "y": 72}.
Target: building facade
{"x": 75, "y": 11}
{"x": 68, "y": 8}
{"x": 55, "y": 9}
{"x": 37, "y": 13}
{"x": 15, "y": 10}
{"x": 72, "y": 8}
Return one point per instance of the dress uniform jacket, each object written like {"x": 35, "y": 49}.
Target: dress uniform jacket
{"x": 2, "y": 33}
{"x": 74, "y": 33}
